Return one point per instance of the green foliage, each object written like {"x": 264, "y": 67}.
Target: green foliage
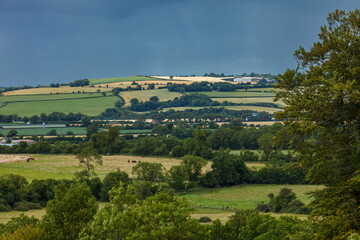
{"x": 52, "y": 132}
{"x": 112, "y": 180}
{"x": 88, "y": 157}
{"x": 108, "y": 142}
{"x": 17, "y": 222}
{"x": 152, "y": 172}
{"x": 249, "y": 224}
{"x": 322, "y": 99}
{"x": 336, "y": 210}
{"x": 204, "y": 219}
{"x": 285, "y": 202}
{"x": 69, "y": 212}
{"x": 12, "y": 189}
{"x": 26, "y": 232}
{"x": 158, "y": 217}
{"x": 229, "y": 169}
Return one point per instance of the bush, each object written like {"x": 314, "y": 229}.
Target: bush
{"x": 4, "y": 208}
{"x": 26, "y": 206}
{"x": 205, "y": 219}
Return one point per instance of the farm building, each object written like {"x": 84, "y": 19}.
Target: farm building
{"x": 243, "y": 79}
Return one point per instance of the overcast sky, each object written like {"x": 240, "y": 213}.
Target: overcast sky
{"x": 50, "y": 41}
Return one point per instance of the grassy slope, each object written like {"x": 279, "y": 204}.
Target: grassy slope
{"x": 89, "y": 106}
{"x": 243, "y": 196}
{"x": 119, "y": 79}
{"x": 144, "y": 95}
{"x": 48, "y": 90}
{"x": 48, "y": 97}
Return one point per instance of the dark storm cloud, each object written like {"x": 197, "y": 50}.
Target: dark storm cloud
{"x": 44, "y": 41}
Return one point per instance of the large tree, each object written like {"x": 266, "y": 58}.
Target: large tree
{"x": 323, "y": 121}
{"x": 323, "y": 100}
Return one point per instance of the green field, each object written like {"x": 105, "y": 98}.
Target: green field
{"x": 236, "y": 108}
{"x": 65, "y": 166}
{"x": 87, "y": 106}
{"x": 243, "y": 196}
{"x": 48, "y": 97}
{"x": 119, "y": 79}
{"x": 145, "y": 95}
{"x": 238, "y": 94}
{"x": 44, "y": 131}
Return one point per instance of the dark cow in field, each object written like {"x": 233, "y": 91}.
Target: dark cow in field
{"x": 30, "y": 159}
{"x": 133, "y": 161}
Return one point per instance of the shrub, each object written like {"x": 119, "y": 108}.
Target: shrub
{"x": 205, "y": 219}
{"x": 25, "y": 206}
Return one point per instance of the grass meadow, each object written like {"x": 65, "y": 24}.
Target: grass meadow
{"x": 145, "y": 95}
{"x": 49, "y": 90}
{"x": 65, "y": 166}
{"x": 88, "y": 106}
{"x": 243, "y": 196}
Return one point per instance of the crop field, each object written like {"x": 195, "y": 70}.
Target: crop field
{"x": 236, "y": 108}
{"x": 119, "y": 79}
{"x": 49, "y": 90}
{"x": 244, "y": 196}
{"x": 88, "y": 106}
{"x": 145, "y": 95}
{"x": 238, "y": 94}
{"x": 250, "y": 100}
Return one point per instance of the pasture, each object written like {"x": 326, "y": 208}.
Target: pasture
{"x": 44, "y": 131}
{"x": 243, "y": 196}
{"x": 49, "y": 97}
{"x": 60, "y": 90}
{"x": 145, "y": 95}
{"x": 88, "y": 106}
{"x": 65, "y": 166}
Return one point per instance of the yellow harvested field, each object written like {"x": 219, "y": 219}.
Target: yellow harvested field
{"x": 145, "y": 95}
{"x": 49, "y": 90}
{"x": 194, "y": 79}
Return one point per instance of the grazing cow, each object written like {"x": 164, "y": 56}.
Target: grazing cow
{"x": 30, "y": 159}
{"x": 133, "y": 161}
{"x": 128, "y": 161}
